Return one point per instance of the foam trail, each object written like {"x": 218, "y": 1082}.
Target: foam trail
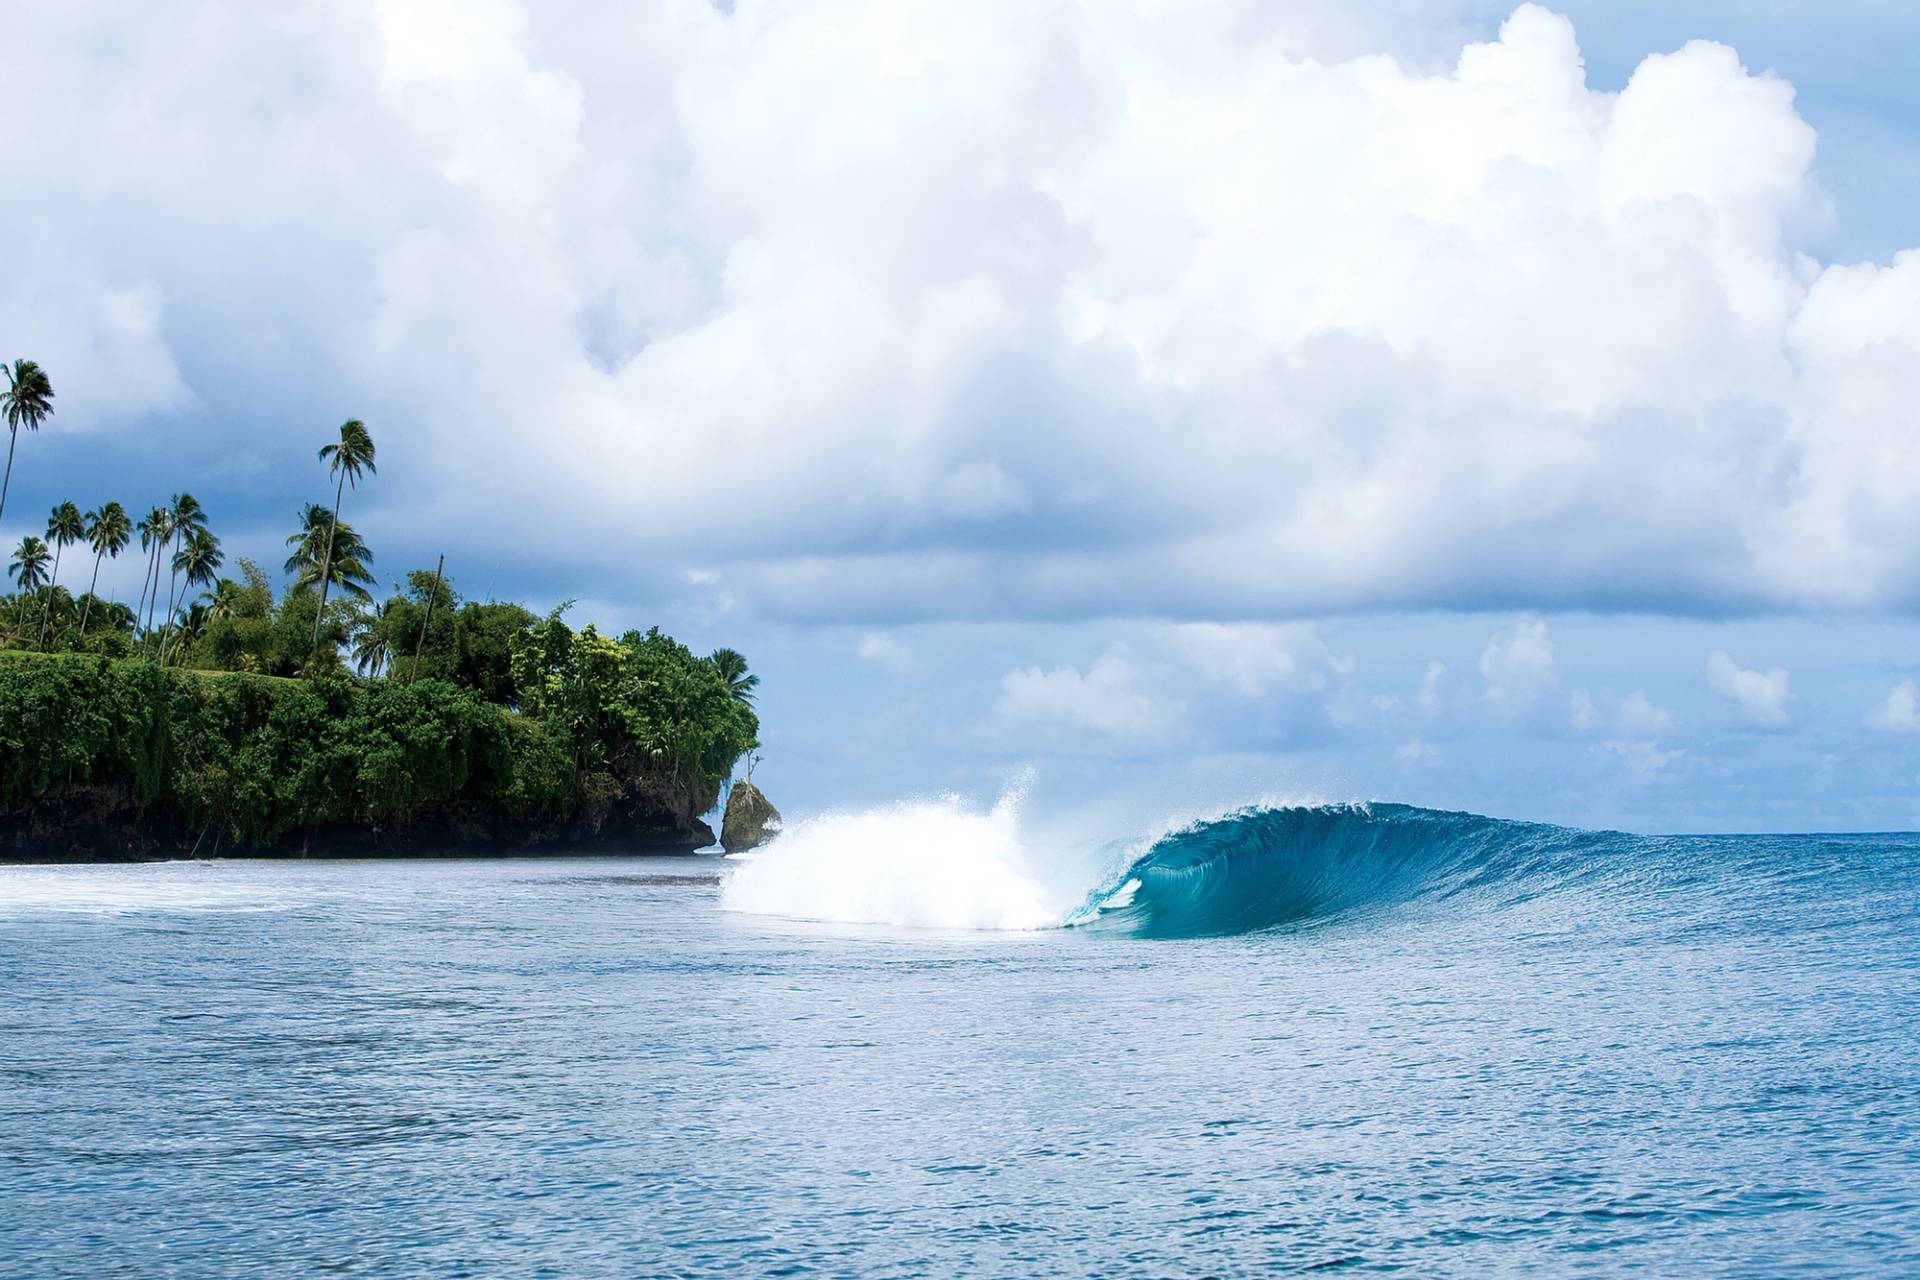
{"x": 929, "y": 864}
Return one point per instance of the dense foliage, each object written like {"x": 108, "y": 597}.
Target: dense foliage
{"x": 247, "y": 760}
{"x": 186, "y": 701}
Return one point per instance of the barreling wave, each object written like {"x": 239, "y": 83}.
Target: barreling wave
{"x": 1266, "y": 868}
{"x": 938, "y": 865}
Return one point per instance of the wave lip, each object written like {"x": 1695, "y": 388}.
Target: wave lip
{"x": 1266, "y": 868}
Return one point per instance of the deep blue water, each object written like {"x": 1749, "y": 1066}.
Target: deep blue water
{"x": 1377, "y": 1041}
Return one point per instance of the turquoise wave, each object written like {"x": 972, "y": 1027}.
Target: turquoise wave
{"x": 1266, "y": 868}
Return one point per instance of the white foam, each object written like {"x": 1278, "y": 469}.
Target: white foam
{"x": 134, "y": 888}
{"x": 927, "y": 864}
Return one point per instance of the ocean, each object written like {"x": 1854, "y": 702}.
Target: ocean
{"x": 914, "y": 1042}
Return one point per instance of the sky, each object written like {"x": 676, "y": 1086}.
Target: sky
{"x": 1178, "y": 403}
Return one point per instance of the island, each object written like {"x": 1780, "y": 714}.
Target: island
{"x": 233, "y": 714}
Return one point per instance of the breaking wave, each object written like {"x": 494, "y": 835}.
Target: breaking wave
{"x": 938, "y": 865}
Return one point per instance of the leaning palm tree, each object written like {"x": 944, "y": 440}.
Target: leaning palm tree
{"x": 156, "y": 530}
{"x": 346, "y": 459}
{"x": 199, "y": 558}
{"x": 65, "y": 526}
{"x": 27, "y": 402}
{"x": 732, "y": 668}
{"x": 189, "y": 517}
{"x": 108, "y": 531}
{"x": 29, "y": 567}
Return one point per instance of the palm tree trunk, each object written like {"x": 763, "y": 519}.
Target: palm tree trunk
{"x": 166, "y": 626}
{"x": 148, "y": 592}
{"x": 140, "y": 608}
{"x": 87, "y": 608}
{"x": 12, "y": 440}
{"x": 46, "y": 614}
{"x": 326, "y": 565}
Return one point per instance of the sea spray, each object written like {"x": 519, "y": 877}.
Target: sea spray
{"x": 934, "y": 864}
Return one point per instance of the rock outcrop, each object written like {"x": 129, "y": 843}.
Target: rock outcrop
{"x": 750, "y": 820}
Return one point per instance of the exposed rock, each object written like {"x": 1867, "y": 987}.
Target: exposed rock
{"x": 751, "y": 819}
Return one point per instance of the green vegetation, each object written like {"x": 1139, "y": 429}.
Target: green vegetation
{"x": 223, "y": 708}
{"x": 27, "y": 402}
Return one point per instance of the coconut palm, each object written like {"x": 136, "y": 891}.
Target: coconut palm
{"x": 346, "y": 459}
{"x": 732, "y": 668}
{"x": 199, "y": 559}
{"x": 29, "y": 567}
{"x": 189, "y": 517}
{"x": 322, "y": 540}
{"x": 373, "y": 642}
{"x": 156, "y": 529}
{"x": 192, "y": 624}
{"x": 65, "y": 526}
{"x": 108, "y": 530}
{"x": 27, "y": 402}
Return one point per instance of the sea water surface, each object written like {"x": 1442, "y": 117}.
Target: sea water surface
{"x": 1367, "y": 1039}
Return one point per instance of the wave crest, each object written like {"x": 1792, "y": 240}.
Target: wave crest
{"x": 937, "y": 865}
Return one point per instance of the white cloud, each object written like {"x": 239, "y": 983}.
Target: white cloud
{"x": 1900, "y": 713}
{"x": 1415, "y": 749}
{"x": 1762, "y": 695}
{"x": 1087, "y": 320}
{"x": 1255, "y": 659}
{"x": 1635, "y": 715}
{"x": 1518, "y": 666}
{"x": 1432, "y": 698}
{"x": 1643, "y": 758}
{"x": 885, "y": 650}
{"x": 1102, "y": 708}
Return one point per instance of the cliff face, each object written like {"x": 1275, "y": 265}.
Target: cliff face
{"x": 103, "y": 823}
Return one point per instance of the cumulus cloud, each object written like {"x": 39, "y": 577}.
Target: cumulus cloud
{"x": 1634, "y": 715}
{"x": 1105, "y": 707}
{"x": 1255, "y": 659}
{"x": 1018, "y": 307}
{"x": 1643, "y": 759}
{"x": 1415, "y": 750}
{"x": 1900, "y": 713}
{"x": 1518, "y": 666}
{"x": 1432, "y": 698}
{"x": 1762, "y": 695}
{"x": 885, "y": 650}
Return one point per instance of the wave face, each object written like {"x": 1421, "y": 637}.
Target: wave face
{"x": 1271, "y": 867}
{"x": 938, "y": 865}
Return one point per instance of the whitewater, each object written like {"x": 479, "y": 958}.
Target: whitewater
{"x": 943, "y": 865}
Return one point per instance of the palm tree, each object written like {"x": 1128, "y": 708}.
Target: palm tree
{"x": 27, "y": 402}
{"x": 155, "y": 530}
{"x": 65, "y": 526}
{"x": 29, "y": 567}
{"x": 372, "y": 643}
{"x": 346, "y": 458}
{"x": 188, "y": 518}
{"x": 732, "y": 668}
{"x": 225, "y": 592}
{"x": 199, "y": 558}
{"x": 107, "y": 533}
{"x": 322, "y": 540}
